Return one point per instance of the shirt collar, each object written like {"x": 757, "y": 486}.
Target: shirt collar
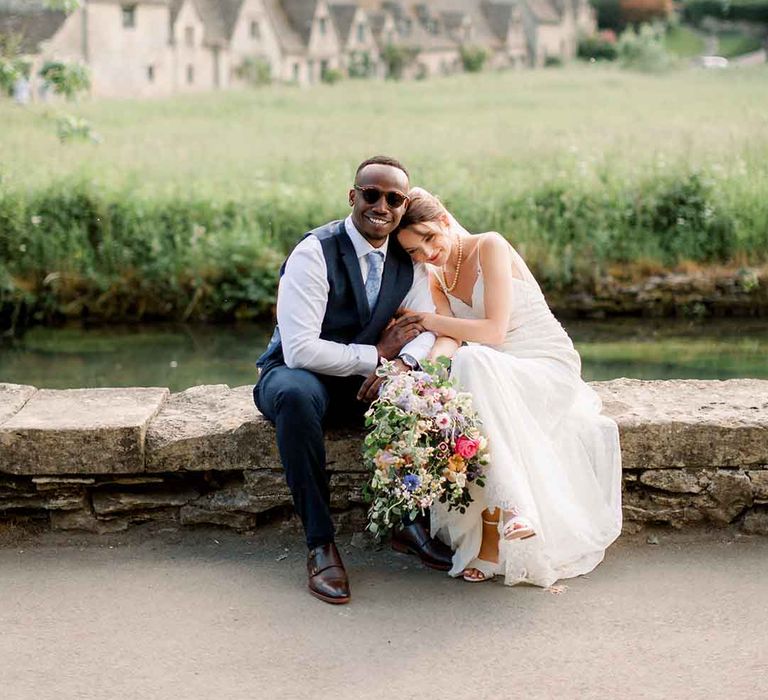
{"x": 362, "y": 247}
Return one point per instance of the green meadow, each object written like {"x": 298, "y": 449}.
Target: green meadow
{"x": 186, "y": 206}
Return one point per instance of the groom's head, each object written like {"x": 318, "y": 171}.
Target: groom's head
{"x": 378, "y": 197}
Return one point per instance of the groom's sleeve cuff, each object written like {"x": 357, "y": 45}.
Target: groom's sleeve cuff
{"x": 369, "y": 358}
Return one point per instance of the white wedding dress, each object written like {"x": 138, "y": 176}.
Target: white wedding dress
{"x": 553, "y": 457}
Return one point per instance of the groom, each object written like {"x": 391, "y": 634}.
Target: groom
{"x": 339, "y": 292}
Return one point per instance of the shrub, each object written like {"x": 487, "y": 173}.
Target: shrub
{"x": 643, "y": 50}
{"x": 473, "y": 58}
{"x": 694, "y": 11}
{"x": 397, "y": 59}
{"x": 331, "y": 76}
{"x": 553, "y": 62}
{"x": 254, "y": 71}
{"x": 597, "y": 47}
{"x": 360, "y": 65}
{"x": 66, "y": 79}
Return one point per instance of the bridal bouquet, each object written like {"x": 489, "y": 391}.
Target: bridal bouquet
{"x": 424, "y": 445}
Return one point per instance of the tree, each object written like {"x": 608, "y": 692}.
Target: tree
{"x": 67, "y": 79}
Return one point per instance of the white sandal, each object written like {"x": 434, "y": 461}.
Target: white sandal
{"x": 488, "y": 570}
{"x": 517, "y": 527}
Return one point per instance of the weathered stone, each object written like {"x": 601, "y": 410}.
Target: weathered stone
{"x": 689, "y": 423}
{"x": 268, "y": 484}
{"x": 192, "y": 515}
{"x": 346, "y": 489}
{"x": 61, "y": 483}
{"x": 79, "y": 431}
{"x": 344, "y": 451}
{"x": 107, "y": 502}
{"x": 235, "y": 499}
{"x": 132, "y": 481}
{"x": 759, "y": 481}
{"x": 211, "y": 427}
{"x": 675, "y": 480}
{"x": 730, "y": 492}
{"x": 85, "y": 520}
{"x": 12, "y": 399}
{"x": 756, "y": 522}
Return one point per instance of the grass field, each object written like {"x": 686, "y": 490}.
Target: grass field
{"x": 580, "y": 167}
{"x": 736, "y": 43}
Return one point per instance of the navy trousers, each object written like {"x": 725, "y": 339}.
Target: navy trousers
{"x": 301, "y": 404}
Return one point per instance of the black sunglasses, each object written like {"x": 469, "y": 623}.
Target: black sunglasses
{"x": 372, "y": 194}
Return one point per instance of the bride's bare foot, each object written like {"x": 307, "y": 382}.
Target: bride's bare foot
{"x": 489, "y": 550}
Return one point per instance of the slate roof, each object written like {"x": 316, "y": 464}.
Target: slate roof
{"x": 543, "y": 11}
{"x": 31, "y": 20}
{"x": 343, "y": 16}
{"x": 300, "y": 14}
{"x": 287, "y": 36}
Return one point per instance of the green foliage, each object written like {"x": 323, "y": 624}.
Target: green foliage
{"x": 67, "y": 6}
{"x": 331, "y": 76}
{"x": 684, "y": 42}
{"x": 598, "y": 48}
{"x": 735, "y": 43}
{"x": 67, "y": 79}
{"x": 397, "y": 59}
{"x": 360, "y": 65}
{"x": 643, "y": 49}
{"x": 473, "y": 58}
{"x": 694, "y": 11}
{"x": 553, "y": 62}
{"x": 72, "y": 128}
{"x": 12, "y": 65}
{"x": 609, "y": 15}
{"x": 254, "y": 71}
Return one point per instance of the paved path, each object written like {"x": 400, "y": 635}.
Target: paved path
{"x": 214, "y": 615}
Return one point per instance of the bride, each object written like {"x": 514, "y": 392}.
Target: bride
{"x": 552, "y": 500}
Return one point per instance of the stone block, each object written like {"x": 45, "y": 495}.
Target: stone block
{"x": 192, "y": 515}
{"x": 674, "y": 480}
{"x": 236, "y": 499}
{"x": 689, "y": 423}
{"x": 86, "y": 520}
{"x": 109, "y": 502}
{"x": 211, "y": 427}
{"x": 759, "y": 481}
{"x": 756, "y": 522}
{"x": 730, "y": 492}
{"x": 12, "y": 399}
{"x": 79, "y": 431}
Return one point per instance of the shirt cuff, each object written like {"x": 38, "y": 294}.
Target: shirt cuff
{"x": 368, "y": 358}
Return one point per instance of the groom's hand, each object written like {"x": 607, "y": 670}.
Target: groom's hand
{"x": 370, "y": 388}
{"x": 398, "y": 333}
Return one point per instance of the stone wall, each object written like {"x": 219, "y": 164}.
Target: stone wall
{"x": 103, "y": 459}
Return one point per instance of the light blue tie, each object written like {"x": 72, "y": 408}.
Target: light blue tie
{"x": 373, "y": 282}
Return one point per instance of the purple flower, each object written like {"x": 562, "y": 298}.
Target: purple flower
{"x": 411, "y": 482}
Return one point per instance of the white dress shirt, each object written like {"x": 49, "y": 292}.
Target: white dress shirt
{"x": 302, "y": 299}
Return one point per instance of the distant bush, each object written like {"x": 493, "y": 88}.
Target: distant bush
{"x": 66, "y": 79}
{"x": 71, "y": 128}
{"x": 331, "y": 76}
{"x": 553, "y": 62}
{"x": 473, "y": 58}
{"x": 598, "y": 47}
{"x": 694, "y": 11}
{"x": 644, "y": 49}
{"x": 397, "y": 59}
{"x": 254, "y": 71}
{"x": 360, "y": 65}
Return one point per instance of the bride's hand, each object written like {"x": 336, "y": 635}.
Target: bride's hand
{"x": 423, "y": 318}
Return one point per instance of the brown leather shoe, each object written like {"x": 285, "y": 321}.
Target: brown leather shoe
{"x": 327, "y": 575}
{"x": 414, "y": 539}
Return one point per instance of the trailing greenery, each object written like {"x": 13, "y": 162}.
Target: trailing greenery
{"x": 75, "y": 251}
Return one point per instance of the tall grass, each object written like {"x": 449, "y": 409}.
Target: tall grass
{"x": 189, "y": 205}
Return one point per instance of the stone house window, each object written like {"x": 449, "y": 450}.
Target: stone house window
{"x": 190, "y": 74}
{"x": 255, "y": 30}
{"x": 150, "y": 73}
{"x": 296, "y": 69}
{"x": 189, "y": 36}
{"x": 361, "y": 32}
{"x": 311, "y": 70}
{"x": 129, "y": 16}
{"x": 322, "y": 23}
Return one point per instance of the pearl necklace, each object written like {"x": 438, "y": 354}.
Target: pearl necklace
{"x": 458, "y": 268}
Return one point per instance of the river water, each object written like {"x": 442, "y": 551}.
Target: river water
{"x": 180, "y": 356}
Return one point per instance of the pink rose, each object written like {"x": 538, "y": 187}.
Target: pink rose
{"x": 466, "y": 447}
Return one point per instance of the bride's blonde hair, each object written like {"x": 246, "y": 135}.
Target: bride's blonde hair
{"x": 423, "y": 207}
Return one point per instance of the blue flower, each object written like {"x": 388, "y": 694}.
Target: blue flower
{"x": 411, "y": 481}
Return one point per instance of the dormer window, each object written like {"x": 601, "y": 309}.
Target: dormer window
{"x": 255, "y": 30}
{"x": 129, "y": 16}
{"x": 361, "y": 32}
{"x": 189, "y": 36}
{"x": 322, "y": 25}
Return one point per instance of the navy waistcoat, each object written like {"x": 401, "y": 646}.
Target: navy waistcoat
{"x": 347, "y": 316}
